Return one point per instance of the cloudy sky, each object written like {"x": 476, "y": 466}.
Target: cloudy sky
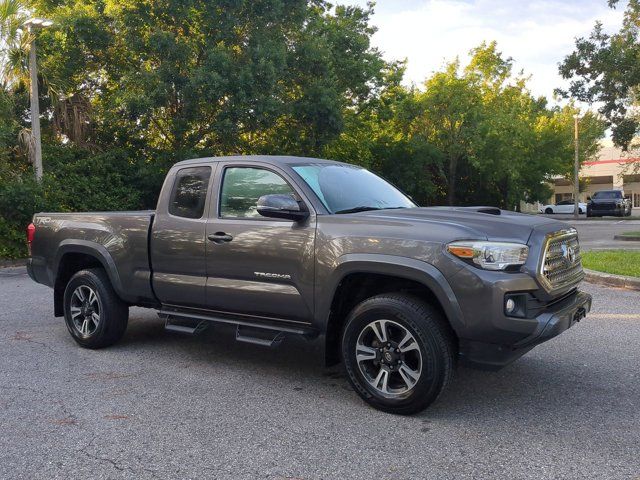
{"x": 537, "y": 33}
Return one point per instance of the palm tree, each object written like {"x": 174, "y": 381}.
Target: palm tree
{"x": 71, "y": 109}
{"x": 14, "y": 43}
{"x": 14, "y": 48}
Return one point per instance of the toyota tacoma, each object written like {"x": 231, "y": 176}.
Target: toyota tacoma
{"x": 281, "y": 246}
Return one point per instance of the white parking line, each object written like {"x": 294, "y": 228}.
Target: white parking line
{"x": 627, "y": 316}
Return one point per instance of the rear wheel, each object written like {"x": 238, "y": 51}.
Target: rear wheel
{"x": 94, "y": 314}
{"x": 398, "y": 353}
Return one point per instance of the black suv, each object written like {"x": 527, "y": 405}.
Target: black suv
{"x": 608, "y": 202}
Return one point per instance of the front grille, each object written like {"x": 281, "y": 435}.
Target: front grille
{"x": 561, "y": 260}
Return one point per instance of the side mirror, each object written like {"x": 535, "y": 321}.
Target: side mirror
{"x": 281, "y": 206}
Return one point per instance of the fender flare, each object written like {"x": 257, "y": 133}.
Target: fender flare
{"x": 402, "y": 267}
{"x": 93, "y": 249}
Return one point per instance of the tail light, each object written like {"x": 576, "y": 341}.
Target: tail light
{"x": 31, "y": 232}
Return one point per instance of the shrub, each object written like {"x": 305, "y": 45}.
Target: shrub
{"x": 74, "y": 180}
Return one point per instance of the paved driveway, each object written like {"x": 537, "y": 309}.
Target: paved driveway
{"x": 598, "y": 234}
{"x": 160, "y": 405}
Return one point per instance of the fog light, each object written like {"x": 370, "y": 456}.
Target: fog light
{"x": 510, "y": 305}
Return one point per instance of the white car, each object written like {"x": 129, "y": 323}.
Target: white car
{"x": 566, "y": 206}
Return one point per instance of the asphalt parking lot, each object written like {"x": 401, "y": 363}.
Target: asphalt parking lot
{"x": 159, "y": 405}
{"x": 597, "y": 234}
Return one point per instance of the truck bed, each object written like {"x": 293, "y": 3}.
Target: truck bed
{"x": 122, "y": 238}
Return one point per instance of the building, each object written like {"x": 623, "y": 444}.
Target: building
{"x": 612, "y": 170}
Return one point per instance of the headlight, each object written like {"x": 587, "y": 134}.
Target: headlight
{"x": 490, "y": 255}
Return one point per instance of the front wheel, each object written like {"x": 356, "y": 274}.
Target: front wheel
{"x": 398, "y": 353}
{"x": 94, "y": 314}
{"x": 548, "y": 211}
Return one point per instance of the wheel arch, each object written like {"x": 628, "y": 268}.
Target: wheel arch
{"x": 359, "y": 277}
{"x": 75, "y": 255}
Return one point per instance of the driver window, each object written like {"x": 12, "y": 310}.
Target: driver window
{"x": 243, "y": 186}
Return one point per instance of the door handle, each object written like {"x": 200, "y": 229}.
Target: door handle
{"x": 220, "y": 237}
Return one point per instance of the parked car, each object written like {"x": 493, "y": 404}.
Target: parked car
{"x": 281, "y": 246}
{"x": 565, "y": 206}
{"x": 608, "y": 202}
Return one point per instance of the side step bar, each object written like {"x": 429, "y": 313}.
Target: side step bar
{"x": 259, "y": 336}
{"x": 257, "y": 332}
{"x": 188, "y": 327}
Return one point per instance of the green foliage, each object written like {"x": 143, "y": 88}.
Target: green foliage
{"x": 74, "y": 181}
{"x": 129, "y": 87}
{"x": 605, "y": 68}
{"x": 200, "y": 78}
{"x": 474, "y": 135}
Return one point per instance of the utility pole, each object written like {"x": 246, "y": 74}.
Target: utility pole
{"x": 576, "y": 169}
{"x": 33, "y": 24}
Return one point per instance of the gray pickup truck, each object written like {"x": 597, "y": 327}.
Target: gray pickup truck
{"x": 281, "y": 246}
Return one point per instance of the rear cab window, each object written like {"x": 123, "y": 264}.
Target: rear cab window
{"x": 189, "y": 194}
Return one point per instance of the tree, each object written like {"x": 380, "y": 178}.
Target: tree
{"x": 500, "y": 145}
{"x": 179, "y": 78}
{"x": 378, "y": 136}
{"x": 450, "y": 114}
{"x": 14, "y": 42}
{"x": 606, "y": 68}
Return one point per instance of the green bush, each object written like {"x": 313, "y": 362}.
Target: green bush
{"x": 74, "y": 180}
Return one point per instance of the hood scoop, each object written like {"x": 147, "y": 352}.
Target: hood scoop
{"x": 487, "y": 210}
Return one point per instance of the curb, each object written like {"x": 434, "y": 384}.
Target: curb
{"x": 21, "y": 262}
{"x": 610, "y": 280}
{"x": 627, "y": 238}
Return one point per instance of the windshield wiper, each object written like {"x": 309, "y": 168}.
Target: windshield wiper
{"x": 362, "y": 208}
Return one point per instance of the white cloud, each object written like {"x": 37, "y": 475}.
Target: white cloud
{"x": 537, "y": 34}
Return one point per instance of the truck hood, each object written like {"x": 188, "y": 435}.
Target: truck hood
{"x": 470, "y": 222}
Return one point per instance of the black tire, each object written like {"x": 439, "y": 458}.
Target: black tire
{"x": 579, "y": 211}
{"x": 548, "y": 211}
{"x": 430, "y": 332}
{"x": 113, "y": 313}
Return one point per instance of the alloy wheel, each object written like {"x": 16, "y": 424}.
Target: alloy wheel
{"x": 389, "y": 357}
{"x": 85, "y": 310}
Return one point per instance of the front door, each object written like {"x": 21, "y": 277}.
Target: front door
{"x": 256, "y": 265}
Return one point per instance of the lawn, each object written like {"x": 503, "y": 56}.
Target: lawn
{"x": 619, "y": 262}
{"x": 630, "y": 234}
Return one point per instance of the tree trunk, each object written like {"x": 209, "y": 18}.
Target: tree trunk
{"x": 451, "y": 181}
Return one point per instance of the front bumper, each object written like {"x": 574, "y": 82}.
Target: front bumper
{"x": 607, "y": 209}
{"x": 548, "y": 324}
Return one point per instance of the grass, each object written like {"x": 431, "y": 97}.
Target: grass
{"x": 635, "y": 217}
{"x": 630, "y": 234}
{"x": 618, "y": 262}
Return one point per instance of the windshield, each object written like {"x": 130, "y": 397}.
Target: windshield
{"x": 607, "y": 195}
{"x": 348, "y": 189}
